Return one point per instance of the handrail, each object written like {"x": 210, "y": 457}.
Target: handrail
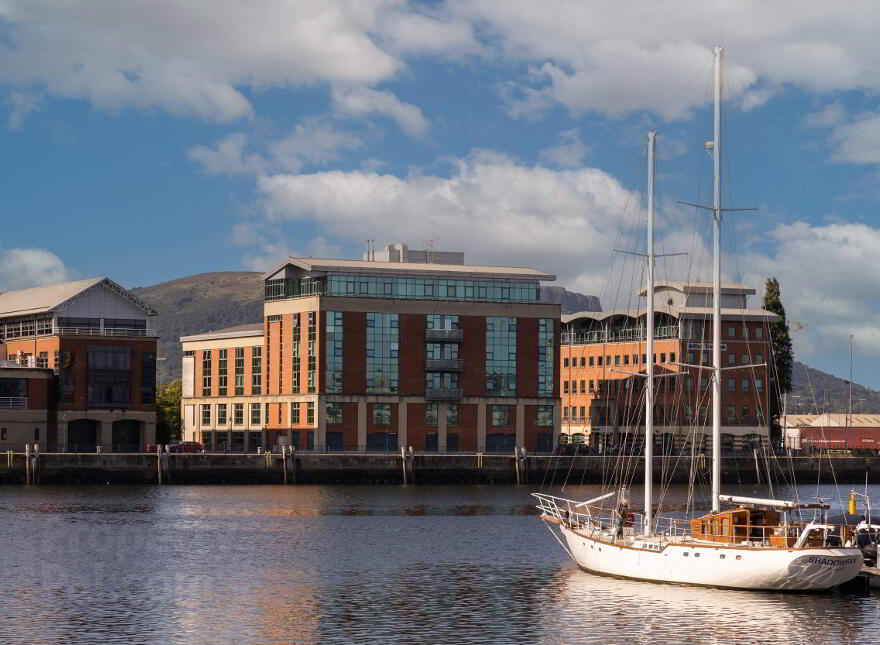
{"x": 106, "y": 331}
{"x": 13, "y": 402}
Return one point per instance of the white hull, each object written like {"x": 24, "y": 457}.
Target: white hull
{"x": 696, "y": 563}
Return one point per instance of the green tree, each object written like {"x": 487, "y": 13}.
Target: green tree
{"x": 783, "y": 355}
{"x": 168, "y": 411}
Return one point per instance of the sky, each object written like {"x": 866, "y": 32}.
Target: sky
{"x": 150, "y": 140}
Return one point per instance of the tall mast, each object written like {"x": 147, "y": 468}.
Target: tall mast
{"x": 716, "y": 289}
{"x": 649, "y": 346}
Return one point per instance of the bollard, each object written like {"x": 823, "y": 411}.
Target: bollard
{"x": 99, "y": 448}
{"x": 284, "y": 461}
{"x": 159, "y": 463}
{"x": 403, "y": 462}
{"x": 35, "y": 470}
{"x": 27, "y": 464}
{"x": 292, "y": 452}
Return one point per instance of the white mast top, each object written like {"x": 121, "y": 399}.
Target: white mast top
{"x": 716, "y": 297}
{"x": 649, "y": 346}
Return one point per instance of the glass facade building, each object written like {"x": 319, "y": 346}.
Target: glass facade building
{"x": 500, "y": 356}
{"x": 382, "y": 353}
{"x": 333, "y": 352}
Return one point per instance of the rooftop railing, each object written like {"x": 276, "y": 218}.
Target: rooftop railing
{"x": 106, "y": 331}
{"x": 618, "y": 335}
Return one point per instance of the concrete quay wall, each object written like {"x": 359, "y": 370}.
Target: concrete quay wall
{"x": 315, "y": 468}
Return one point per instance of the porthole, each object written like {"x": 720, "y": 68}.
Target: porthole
{"x": 696, "y": 555}
{"x": 739, "y": 557}
{"x": 722, "y": 556}
{"x": 685, "y": 554}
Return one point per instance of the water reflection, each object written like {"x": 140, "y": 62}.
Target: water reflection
{"x": 349, "y": 564}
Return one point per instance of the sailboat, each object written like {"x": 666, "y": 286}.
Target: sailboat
{"x": 752, "y": 544}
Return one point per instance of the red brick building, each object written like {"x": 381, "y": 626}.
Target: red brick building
{"x": 379, "y": 354}
{"x": 97, "y": 342}
{"x": 603, "y": 405}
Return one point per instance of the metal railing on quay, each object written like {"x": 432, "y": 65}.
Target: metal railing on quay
{"x": 106, "y": 331}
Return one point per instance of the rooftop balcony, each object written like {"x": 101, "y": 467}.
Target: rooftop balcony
{"x": 443, "y": 395}
{"x": 444, "y": 335}
{"x": 627, "y": 335}
{"x": 107, "y": 331}
{"x": 443, "y": 365}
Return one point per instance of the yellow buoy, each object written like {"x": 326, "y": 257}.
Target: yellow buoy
{"x": 851, "y": 508}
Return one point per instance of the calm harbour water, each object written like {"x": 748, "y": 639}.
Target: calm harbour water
{"x": 393, "y": 564}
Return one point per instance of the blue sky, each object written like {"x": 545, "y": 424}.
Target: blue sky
{"x": 152, "y": 140}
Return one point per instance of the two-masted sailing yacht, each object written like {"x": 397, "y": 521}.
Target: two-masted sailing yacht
{"x": 755, "y": 543}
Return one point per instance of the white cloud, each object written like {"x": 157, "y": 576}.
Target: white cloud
{"x": 270, "y": 254}
{"x": 312, "y": 142}
{"x": 191, "y": 58}
{"x": 227, "y": 156}
{"x": 362, "y": 101}
{"x": 491, "y": 206}
{"x": 21, "y": 104}
{"x": 829, "y": 116}
{"x": 857, "y": 141}
{"x": 838, "y": 300}
{"x": 569, "y": 152}
{"x": 23, "y": 268}
{"x": 620, "y": 57}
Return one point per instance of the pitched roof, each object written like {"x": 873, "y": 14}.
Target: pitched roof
{"x": 37, "y": 300}
{"x": 373, "y": 266}
{"x": 727, "y": 288}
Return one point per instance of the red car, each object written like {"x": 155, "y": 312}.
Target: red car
{"x": 186, "y": 446}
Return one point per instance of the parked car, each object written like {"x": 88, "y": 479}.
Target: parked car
{"x": 186, "y": 446}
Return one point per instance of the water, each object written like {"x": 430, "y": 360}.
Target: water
{"x": 274, "y": 564}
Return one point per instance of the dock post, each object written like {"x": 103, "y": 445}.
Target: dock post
{"x": 403, "y": 462}
{"x": 284, "y": 461}
{"x": 292, "y": 465}
{"x": 516, "y": 465}
{"x": 412, "y": 466}
{"x": 27, "y": 464}
{"x": 159, "y": 463}
{"x": 35, "y": 471}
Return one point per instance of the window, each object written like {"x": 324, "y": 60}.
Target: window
{"x": 626, "y": 359}
{"x": 592, "y": 361}
{"x": 731, "y": 332}
{"x": 500, "y": 416}
{"x": 295, "y": 366}
{"x": 109, "y": 376}
{"x": 239, "y": 371}
{"x": 441, "y": 381}
{"x": 688, "y": 383}
{"x": 256, "y": 370}
{"x": 255, "y": 414}
{"x": 334, "y": 413}
{"x": 663, "y": 357}
{"x": 564, "y": 362}
{"x": 148, "y": 378}
{"x": 451, "y": 414}
{"x": 759, "y": 332}
{"x": 591, "y": 385}
{"x": 206, "y": 372}
{"x": 266, "y": 413}
{"x": 745, "y": 331}
{"x": 206, "y": 414}
{"x": 690, "y": 358}
{"x": 546, "y": 352}
{"x": 583, "y": 361}
{"x": 441, "y": 321}
{"x": 294, "y": 414}
{"x": 599, "y": 361}
{"x": 583, "y": 389}
{"x": 731, "y": 385}
{"x": 43, "y": 359}
{"x": 66, "y": 366}
{"x": 221, "y": 414}
{"x": 759, "y": 385}
{"x": 565, "y": 387}
{"x": 672, "y": 357}
{"x": 544, "y": 415}
{"x": 222, "y": 371}
{"x": 759, "y": 358}
{"x": 312, "y": 366}
{"x": 431, "y": 414}
{"x": 617, "y": 359}
{"x": 238, "y": 413}
{"x": 744, "y": 385}
{"x": 731, "y": 359}
{"x": 381, "y": 414}
{"x": 704, "y": 383}
{"x": 565, "y": 412}
{"x": 382, "y": 353}
{"x": 745, "y": 412}
{"x": 500, "y": 356}
{"x": 333, "y": 352}
{"x": 745, "y": 359}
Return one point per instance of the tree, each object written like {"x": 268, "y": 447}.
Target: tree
{"x": 168, "y": 411}
{"x": 782, "y": 353}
